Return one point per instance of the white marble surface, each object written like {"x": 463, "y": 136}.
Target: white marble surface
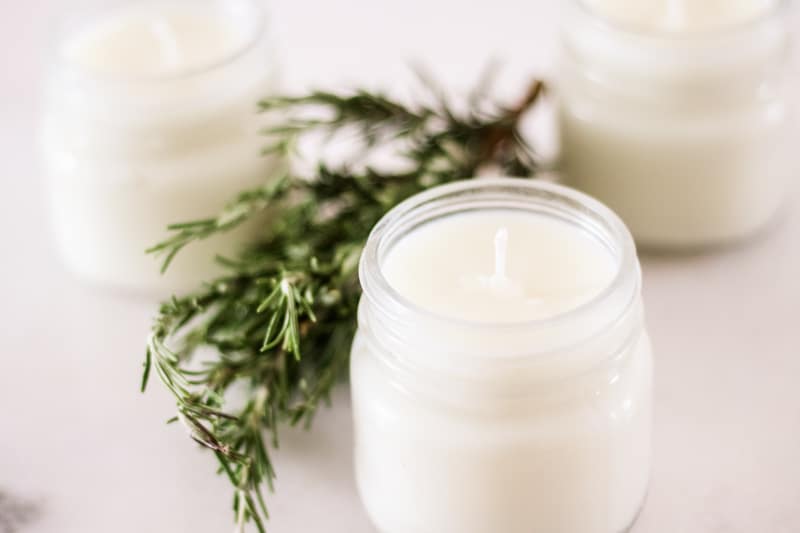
{"x": 78, "y": 440}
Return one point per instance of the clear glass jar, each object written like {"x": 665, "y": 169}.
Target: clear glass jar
{"x": 480, "y": 427}
{"x": 684, "y": 133}
{"x": 129, "y": 148}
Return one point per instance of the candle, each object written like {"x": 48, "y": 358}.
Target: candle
{"x": 481, "y": 265}
{"x": 150, "y": 119}
{"x": 501, "y": 372}
{"x": 675, "y": 113}
{"x": 681, "y": 15}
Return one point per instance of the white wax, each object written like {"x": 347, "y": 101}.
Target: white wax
{"x": 680, "y": 15}
{"x": 550, "y": 268}
{"x": 150, "y": 119}
{"x": 156, "y": 39}
{"x": 679, "y": 118}
{"x": 509, "y": 410}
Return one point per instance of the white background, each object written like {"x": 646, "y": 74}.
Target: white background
{"x": 78, "y": 440}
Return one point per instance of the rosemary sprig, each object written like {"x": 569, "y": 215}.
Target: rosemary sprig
{"x": 281, "y": 321}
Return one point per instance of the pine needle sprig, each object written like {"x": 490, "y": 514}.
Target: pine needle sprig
{"x": 277, "y": 327}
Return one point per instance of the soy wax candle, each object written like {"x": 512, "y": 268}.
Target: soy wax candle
{"x": 151, "y": 119}
{"x": 501, "y": 372}
{"x": 675, "y": 113}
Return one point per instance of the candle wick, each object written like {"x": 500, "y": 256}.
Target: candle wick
{"x": 167, "y": 41}
{"x": 499, "y": 282}
{"x": 500, "y": 254}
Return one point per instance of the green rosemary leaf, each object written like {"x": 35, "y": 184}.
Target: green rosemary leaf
{"x": 282, "y": 317}
{"x": 148, "y": 364}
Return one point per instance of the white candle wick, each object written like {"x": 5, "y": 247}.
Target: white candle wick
{"x": 499, "y": 281}
{"x": 500, "y": 254}
{"x": 165, "y": 34}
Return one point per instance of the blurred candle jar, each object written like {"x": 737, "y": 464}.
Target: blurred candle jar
{"x": 675, "y": 114}
{"x": 151, "y": 119}
{"x": 501, "y": 373}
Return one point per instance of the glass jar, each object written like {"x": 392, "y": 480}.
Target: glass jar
{"x": 685, "y": 133}
{"x": 150, "y": 119}
{"x": 480, "y": 427}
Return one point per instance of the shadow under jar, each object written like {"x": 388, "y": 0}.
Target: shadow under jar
{"x": 676, "y": 114}
{"x": 501, "y": 374}
{"x": 151, "y": 119}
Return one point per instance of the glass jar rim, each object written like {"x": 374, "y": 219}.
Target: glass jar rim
{"x": 73, "y": 22}
{"x": 777, "y": 9}
{"x": 381, "y": 294}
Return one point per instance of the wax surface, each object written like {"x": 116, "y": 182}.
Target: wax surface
{"x": 157, "y": 39}
{"x": 680, "y": 15}
{"x": 449, "y": 267}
